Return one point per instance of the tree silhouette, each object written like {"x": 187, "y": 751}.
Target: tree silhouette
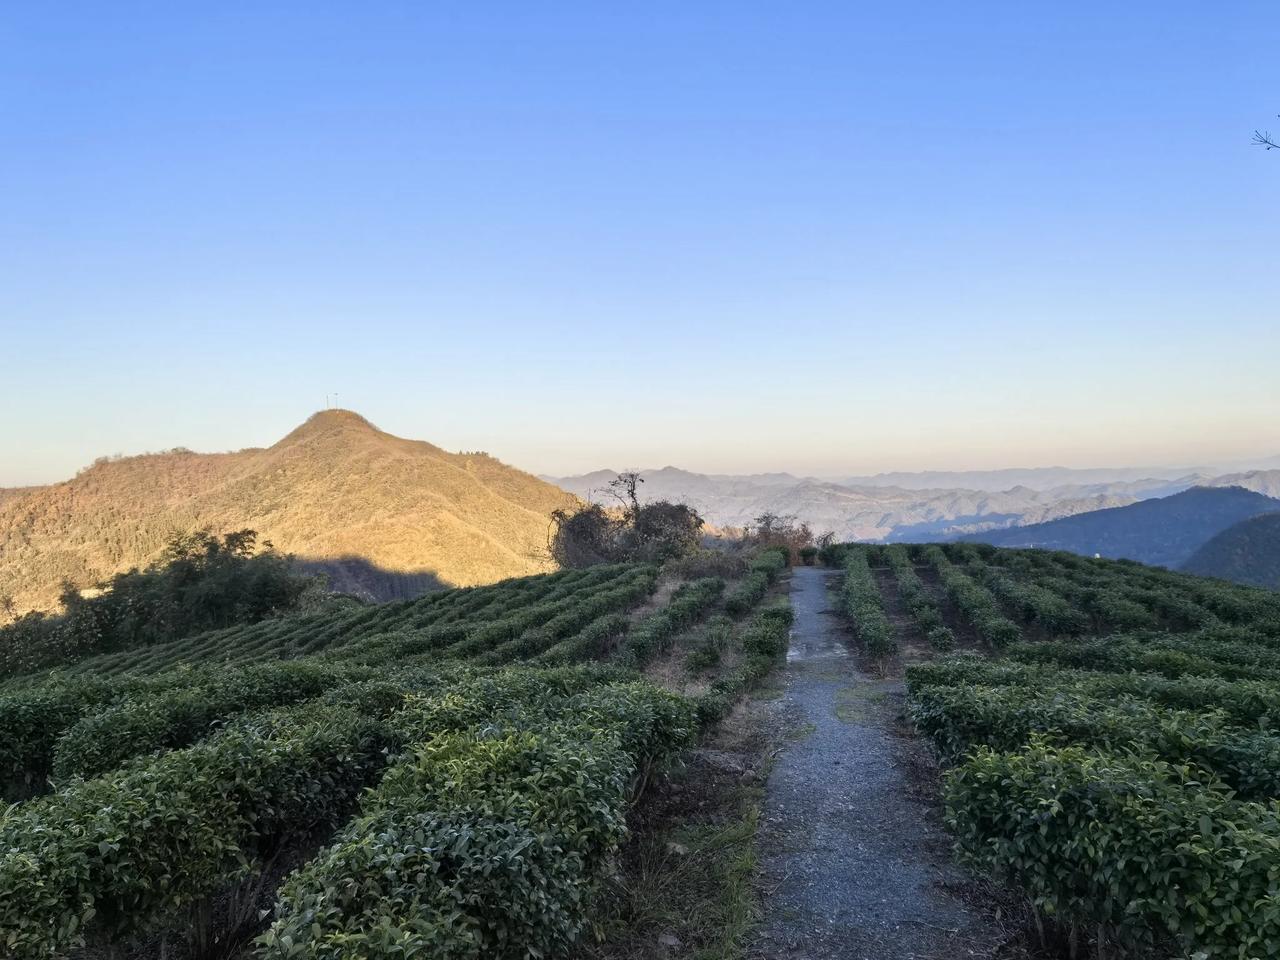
{"x": 1264, "y": 139}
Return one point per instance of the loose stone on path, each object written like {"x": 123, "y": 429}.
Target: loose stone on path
{"x": 852, "y": 867}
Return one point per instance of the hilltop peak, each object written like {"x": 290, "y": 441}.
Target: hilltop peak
{"x": 326, "y": 423}
{"x": 336, "y": 416}
{"x": 380, "y": 514}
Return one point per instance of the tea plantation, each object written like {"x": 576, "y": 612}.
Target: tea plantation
{"x": 1111, "y": 735}
{"x": 448, "y": 777}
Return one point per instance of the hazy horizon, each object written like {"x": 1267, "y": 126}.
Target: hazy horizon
{"x": 695, "y": 465}
{"x": 827, "y": 239}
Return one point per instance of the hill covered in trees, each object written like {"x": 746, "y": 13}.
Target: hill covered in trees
{"x": 1248, "y": 552}
{"x": 381, "y": 515}
{"x": 1165, "y": 531}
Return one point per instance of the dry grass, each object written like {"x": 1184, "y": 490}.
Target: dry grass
{"x": 686, "y": 881}
{"x": 335, "y": 487}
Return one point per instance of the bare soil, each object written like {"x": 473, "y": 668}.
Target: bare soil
{"x": 966, "y": 637}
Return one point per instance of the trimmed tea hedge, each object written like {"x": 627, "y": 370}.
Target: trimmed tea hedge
{"x": 689, "y": 604}
{"x": 1141, "y": 850}
{"x": 863, "y": 605}
{"x": 484, "y": 843}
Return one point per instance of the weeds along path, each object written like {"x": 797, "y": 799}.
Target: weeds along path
{"x": 852, "y": 867}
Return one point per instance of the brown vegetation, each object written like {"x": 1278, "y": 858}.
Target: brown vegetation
{"x": 336, "y": 487}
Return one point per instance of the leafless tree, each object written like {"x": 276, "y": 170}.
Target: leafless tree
{"x": 623, "y": 489}
{"x": 1264, "y": 139}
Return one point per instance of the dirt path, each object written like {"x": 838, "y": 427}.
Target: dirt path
{"x": 852, "y": 866}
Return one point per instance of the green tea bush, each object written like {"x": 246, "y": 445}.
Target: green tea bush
{"x": 1142, "y": 850}
{"x": 942, "y": 639}
{"x": 708, "y": 644}
{"x": 688, "y": 605}
{"x": 106, "y": 858}
{"x": 976, "y": 603}
{"x": 862, "y": 604}
{"x": 763, "y": 643}
{"x": 1166, "y": 654}
{"x": 33, "y": 720}
{"x": 575, "y": 617}
{"x": 1031, "y": 602}
{"x": 588, "y": 644}
{"x": 1004, "y": 718}
{"x": 1246, "y": 703}
{"x": 178, "y": 717}
{"x": 483, "y": 843}
{"x": 915, "y": 597}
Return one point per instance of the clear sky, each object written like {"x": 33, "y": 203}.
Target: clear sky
{"x": 826, "y": 238}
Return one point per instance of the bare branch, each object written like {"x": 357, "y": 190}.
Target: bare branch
{"x": 1264, "y": 139}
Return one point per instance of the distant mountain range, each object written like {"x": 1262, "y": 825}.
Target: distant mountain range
{"x": 1165, "y": 531}
{"x": 1049, "y": 478}
{"x": 1248, "y": 552}
{"x": 381, "y": 515}
{"x": 906, "y": 512}
{"x": 388, "y": 517}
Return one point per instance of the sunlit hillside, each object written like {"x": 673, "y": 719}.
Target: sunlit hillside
{"x": 382, "y": 515}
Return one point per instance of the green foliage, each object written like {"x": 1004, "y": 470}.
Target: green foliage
{"x": 942, "y": 639}
{"x": 488, "y": 803}
{"x": 832, "y": 554}
{"x": 763, "y": 643}
{"x": 590, "y": 643}
{"x": 483, "y": 843}
{"x": 177, "y": 717}
{"x": 1031, "y": 602}
{"x": 862, "y": 604}
{"x": 33, "y": 720}
{"x": 201, "y": 583}
{"x": 708, "y": 644}
{"x": 1142, "y": 849}
{"x": 915, "y": 597}
{"x": 378, "y": 634}
{"x": 118, "y": 855}
{"x": 976, "y": 602}
{"x": 689, "y": 604}
{"x": 1127, "y": 783}
{"x": 1006, "y": 717}
{"x": 764, "y": 570}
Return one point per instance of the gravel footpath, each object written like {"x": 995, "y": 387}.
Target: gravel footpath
{"x": 852, "y": 867}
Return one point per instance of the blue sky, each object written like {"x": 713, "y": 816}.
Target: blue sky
{"x": 819, "y": 237}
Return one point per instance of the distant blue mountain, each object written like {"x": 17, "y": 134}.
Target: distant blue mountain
{"x": 1165, "y": 531}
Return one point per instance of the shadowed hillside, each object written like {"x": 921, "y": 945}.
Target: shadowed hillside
{"x": 1248, "y": 552}
{"x": 387, "y": 516}
{"x": 1164, "y": 531}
